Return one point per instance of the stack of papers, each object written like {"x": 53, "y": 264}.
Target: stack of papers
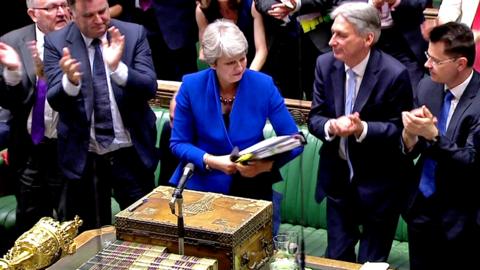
{"x": 269, "y": 147}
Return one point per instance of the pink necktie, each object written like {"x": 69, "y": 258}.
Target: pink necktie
{"x": 145, "y": 4}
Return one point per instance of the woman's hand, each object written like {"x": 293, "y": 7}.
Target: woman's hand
{"x": 221, "y": 163}
{"x": 254, "y": 167}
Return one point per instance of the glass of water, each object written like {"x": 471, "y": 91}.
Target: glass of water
{"x": 286, "y": 247}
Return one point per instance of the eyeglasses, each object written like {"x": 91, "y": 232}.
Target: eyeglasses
{"x": 53, "y": 7}
{"x": 437, "y": 62}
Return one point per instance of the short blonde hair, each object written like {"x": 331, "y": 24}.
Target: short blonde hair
{"x": 223, "y": 38}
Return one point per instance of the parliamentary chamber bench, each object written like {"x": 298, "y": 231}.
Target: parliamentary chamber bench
{"x": 297, "y": 190}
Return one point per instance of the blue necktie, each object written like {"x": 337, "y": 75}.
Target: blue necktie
{"x": 104, "y": 133}
{"x": 427, "y": 181}
{"x": 349, "y": 102}
{"x": 38, "y": 112}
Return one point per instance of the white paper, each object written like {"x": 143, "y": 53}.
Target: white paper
{"x": 272, "y": 146}
{"x": 375, "y": 266}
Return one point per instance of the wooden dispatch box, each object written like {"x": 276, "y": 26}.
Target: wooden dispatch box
{"x": 235, "y": 231}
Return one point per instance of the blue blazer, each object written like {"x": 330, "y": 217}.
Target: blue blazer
{"x": 75, "y": 113}
{"x": 198, "y": 127}
{"x": 378, "y": 164}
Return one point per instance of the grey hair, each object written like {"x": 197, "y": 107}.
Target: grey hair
{"x": 223, "y": 38}
{"x": 30, "y": 3}
{"x": 364, "y": 17}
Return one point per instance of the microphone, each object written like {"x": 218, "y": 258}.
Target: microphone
{"x": 187, "y": 173}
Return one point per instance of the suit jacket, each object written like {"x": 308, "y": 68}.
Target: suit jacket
{"x": 408, "y": 17}
{"x": 176, "y": 20}
{"x": 4, "y": 127}
{"x": 456, "y": 154}
{"x": 458, "y": 11}
{"x": 19, "y": 99}
{"x": 75, "y": 112}
{"x": 321, "y": 34}
{"x": 378, "y": 165}
{"x": 199, "y": 127}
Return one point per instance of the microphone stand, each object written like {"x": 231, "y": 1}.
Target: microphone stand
{"x": 178, "y": 198}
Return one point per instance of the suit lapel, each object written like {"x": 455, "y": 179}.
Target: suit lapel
{"x": 465, "y": 101}
{"x": 26, "y": 55}
{"x": 78, "y": 50}
{"x": 368, "y": 82}
{"x": 117, "y": 90}
{"x": 338, "y": 75}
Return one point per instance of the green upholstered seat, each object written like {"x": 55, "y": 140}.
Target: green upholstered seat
{"x": 303, "y": 169}
{"x": 8, "y": 205}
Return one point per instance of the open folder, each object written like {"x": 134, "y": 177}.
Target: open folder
{"x": 268, "y": 147}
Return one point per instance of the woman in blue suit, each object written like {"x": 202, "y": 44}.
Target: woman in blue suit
{"x": 223, "y": 107}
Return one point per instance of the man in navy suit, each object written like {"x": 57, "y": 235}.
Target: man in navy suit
{"x": 172, "y": 35}
{"x": 106, "y": 129}
{"x": 401, "y": 34}
{"x": 359, "y": 94}
{"x": 292, "y": 50}
{"x": 443, "y": 227}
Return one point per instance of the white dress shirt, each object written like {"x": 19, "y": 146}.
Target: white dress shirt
{"x": 119, "y": 76}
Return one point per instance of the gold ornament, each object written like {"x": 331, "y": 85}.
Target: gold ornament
{"x": 42, "y": 245}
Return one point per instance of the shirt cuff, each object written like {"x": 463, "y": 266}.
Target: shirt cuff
{"x": 12, "y": 77}
{"x": 120, "y": 75}
{"x": 70, "y": 88}
{"x": 364, "y": 132}
{"x": 327, "y": 135}
{"x": 405, "y": 149}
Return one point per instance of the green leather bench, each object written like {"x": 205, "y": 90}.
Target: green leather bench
{"x": 303, "y": 168}
{"x": 313, "y": 220}
{"x": 8, "y": 202}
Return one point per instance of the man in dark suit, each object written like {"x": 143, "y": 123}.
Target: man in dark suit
{"x": 443, "y": 228}
{"x": 32, "y": 150}
{"x": 293, "y": 51}
{"x": 359, "y": 94}
{"x": 401, "y": 34}
{"x": 100, "y": 76}
{"x": 172, "y": 35}
{"x": 4, "y": 127}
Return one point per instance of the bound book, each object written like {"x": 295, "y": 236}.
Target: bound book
{"x": 268, "y": 147}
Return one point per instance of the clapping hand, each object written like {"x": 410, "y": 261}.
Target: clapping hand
{"x": 379, "y": 3}
{"x": 281, "y": 10}
{"x": 113, "y": 51}
{"x": 71, "y": 67}
{"x": 32, "y": 46}
{"x": 346, "y": 125}
{"x": 9, "y": 57}
{"x": 420, "y": 122}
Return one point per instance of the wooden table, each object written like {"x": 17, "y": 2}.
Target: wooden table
{"x": 91, "y": 242}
